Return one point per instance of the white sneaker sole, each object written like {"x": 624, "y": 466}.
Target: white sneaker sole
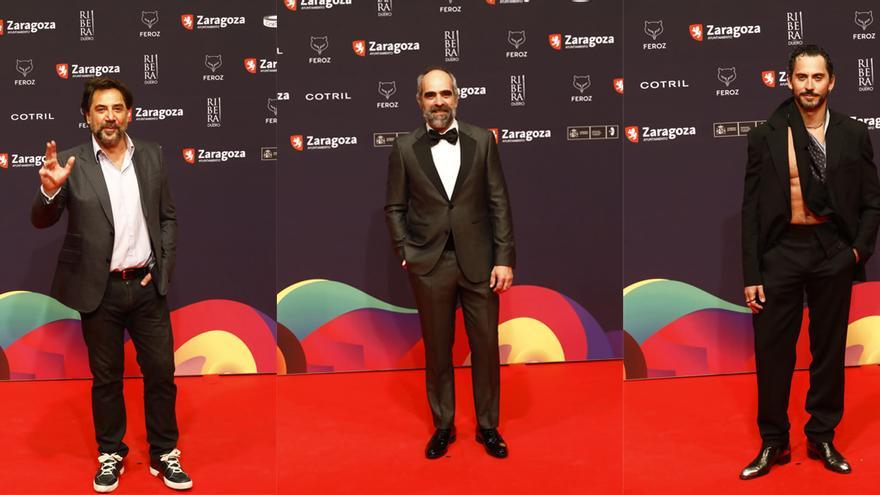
{"x": 170, "y": 484}
{"x": 105, "y": 488}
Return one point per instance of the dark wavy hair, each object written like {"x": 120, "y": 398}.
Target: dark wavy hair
{"x": 101, "y": 83}
{"x": 809, "y": 51}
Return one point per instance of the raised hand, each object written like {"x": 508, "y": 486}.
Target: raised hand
{"x": 53, "y": 176}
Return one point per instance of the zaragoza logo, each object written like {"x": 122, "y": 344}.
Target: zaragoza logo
{"x": 494, "y": 133}
{"x": 768, "y": 77}
{"x": 250, "y": 65}
{"x": 696, "y": 31}
{"x": 618, "y": 85}
{"x": 296, "y": 141}
{"x": 555, "y": 40}
{"x": 359, "y": 47}
{"x": 290, "y": 4}
{"x": 2, "y": 27}
{"x": 4, "y": 160}
{"x": 189, "y": 155}
{"x": 63, "y": 70}
{"x": 188, "y": 21}
{"x": 632, "y": 133}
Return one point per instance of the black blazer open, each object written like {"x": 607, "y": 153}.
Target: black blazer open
{"x": 84, "y": 262}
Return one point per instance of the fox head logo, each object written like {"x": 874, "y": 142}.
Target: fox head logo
{"x": 24, "y": 67}
{"x": 150, "y": 18}
{"x": 189, "y": 155}
{"x": 654, "y": 29}
{"x": 319, "y": 43}
{"x": 359, "y": 47}
{"x": 632, "y": 133}
{"x": 696, "y": 31}
{"x": 555, "y": 40}
{"x": 581, "y": 83}
{"x": 727, "y": 75}
{"x": 250, "y": 65}
{"x": 864, "y": 19}
{"x": 296, "y": 141}
{"x": 516, "y": 38}
{"x": 188, "y": 21}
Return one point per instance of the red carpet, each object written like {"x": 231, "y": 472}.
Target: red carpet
{"x": 694, "y": 435}
{"x": 364, "y": 433}
{"x": 227, "y": 428}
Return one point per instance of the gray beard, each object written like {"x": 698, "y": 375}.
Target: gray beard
{"x": 436, "y": 121}
{"x": 99, "y": 136}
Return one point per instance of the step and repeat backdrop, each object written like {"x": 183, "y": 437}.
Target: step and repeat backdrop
{"x": 699, "y": 76}
{"x": 276, "y": 119}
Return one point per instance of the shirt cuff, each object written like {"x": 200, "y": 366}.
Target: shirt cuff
{"x": 48, "y": 198}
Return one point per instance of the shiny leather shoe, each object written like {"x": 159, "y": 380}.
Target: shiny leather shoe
{"x": 829, "y": 456}
{"x": 439, "y": 443}
{"x": 769, "y": 456}
{"x": 492, "y": 441}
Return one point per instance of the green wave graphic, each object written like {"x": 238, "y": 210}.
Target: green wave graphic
{"x": 23, "y": 311}
{"x": 305, "y": 306}
{"x": 651, "y": 305}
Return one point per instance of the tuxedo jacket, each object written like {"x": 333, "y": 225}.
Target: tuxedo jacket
{"x": 853, "y": 189}
{"x": 81, "y": 274}
{"x": 420, "y": 216}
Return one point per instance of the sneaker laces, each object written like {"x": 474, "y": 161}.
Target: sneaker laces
{"x": 171, "y": 461}
{"x": 109, "y": 462}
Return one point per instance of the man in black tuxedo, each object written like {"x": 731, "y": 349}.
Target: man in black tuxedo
{"x": 114, "y": 268}
{"x": 449, "y": 217}
{"x": 810, "y": 213}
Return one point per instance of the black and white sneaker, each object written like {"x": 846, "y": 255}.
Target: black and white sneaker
{"x": 172, "y": 474}
{"x": 107, "y": 478}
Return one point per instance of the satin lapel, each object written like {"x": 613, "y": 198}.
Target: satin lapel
{"x": 778, "y": 142}
{"x": 92, "y": 170}
{"x": 468, "y": 150}
{"x": 140, "y": 171}
{"x": 422, "y": 149}
{"x": 834, "y": 144}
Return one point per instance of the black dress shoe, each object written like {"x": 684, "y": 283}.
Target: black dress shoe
{"x": 439, "y": 443}
{"x": 829, "y": 456}
{"x": 769, "y": 455}
{"x": 492, "y": 441}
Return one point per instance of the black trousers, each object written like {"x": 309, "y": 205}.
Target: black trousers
{"x": 436, "y": 296}
{"x": 814, "y": 261}
{"x": 145, "y": 314}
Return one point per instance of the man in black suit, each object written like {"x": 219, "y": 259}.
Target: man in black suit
{"x": 449, "y": 217}
{"x": 114, "y": 268}
{"x": 810, "y": 213}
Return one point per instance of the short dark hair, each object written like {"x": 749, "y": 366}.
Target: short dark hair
{"x": 101, "y": 83}
{"x": 810, "y": 51}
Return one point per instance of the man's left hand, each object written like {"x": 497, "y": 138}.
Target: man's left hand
{"x": 146, "y": 280}
{"x": 501, "y": 278}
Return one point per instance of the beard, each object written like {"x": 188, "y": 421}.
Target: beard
{"x": 817, "y": 102}
{"x": 113, "y": 139}
{"x": 438, "y": 120}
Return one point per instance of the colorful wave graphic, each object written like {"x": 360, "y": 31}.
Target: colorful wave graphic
{"x": 341, "y": 328}
{"x": 42, "y": 339}
{"x": 676, "y": 329}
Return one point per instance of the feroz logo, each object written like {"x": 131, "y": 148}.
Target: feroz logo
{"x": 319, "y": 43}
{"x": 213, "y": 62}
{"x": 555, "y": 40}
{"x": 24, "y": 67}
{"x": 4, "y": 160}
{"x": 618, "y": 85}
{"x": 296, "y": 141}
{"x": 516, "y": 38}
{"x": 290, "y": 4}
{"x": 581, "y": 83}
{"x": 387, "y": 89}
{"x": 654, "y": 29}
{"x": 768, "y": 77}
{"x": 632, "y": 133}
{"x": 795, "y": 24}
{"x": 862, "y": 20}
{"x": 150, "y": 18}
{"x": 359, "y": 47}
{"x": 189, "y": 155}
{"x": 696, "y": 31}
{"x": 250, "y": 65}
{"x": 188, "y": 21}
{"x": 727, "y": 75}
{"x": 63, "y": 70}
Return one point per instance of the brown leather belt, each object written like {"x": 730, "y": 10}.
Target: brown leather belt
{"x": 131, "y": 273}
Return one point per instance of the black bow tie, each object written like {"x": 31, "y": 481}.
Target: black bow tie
{"x": 451, "y": 135}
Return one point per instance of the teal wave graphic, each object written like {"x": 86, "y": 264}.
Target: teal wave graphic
{"x": 23, "y": 311}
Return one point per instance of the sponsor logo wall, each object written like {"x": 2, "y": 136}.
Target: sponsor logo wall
{"x": 701, "y": 80}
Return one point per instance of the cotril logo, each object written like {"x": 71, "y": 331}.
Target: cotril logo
{"x": 189, "y": 155}
{"x": 632, "y": 133}
{"x": 296, "y": 141}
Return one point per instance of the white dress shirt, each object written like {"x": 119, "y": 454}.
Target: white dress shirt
{"x": 447, "y": 160}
